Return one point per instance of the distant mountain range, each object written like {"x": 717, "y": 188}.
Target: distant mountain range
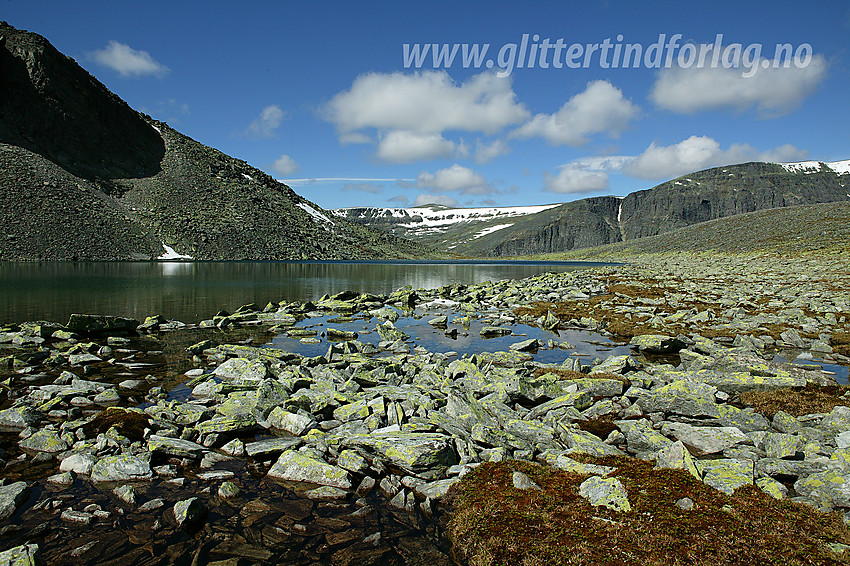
{"x": 84, "y": 176}
{"x": 691, "y": 199}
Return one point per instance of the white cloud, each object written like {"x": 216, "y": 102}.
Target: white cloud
{"x": 773, "y": 91}
{"x": 269, "y": 120}
{"x": 401, "y": 199}
{"x": 571, "y": 179}
{"x": 485, "y": 153}
{"x": 445, "y": 200}
{"x": 401, "y": 146}
{"x": 607, "y": 163}
{"x": 701, "y": 152}
{"x": 354, "y": 137}
{"x": 285, "y": 165}
{"x": 454, "y": 178}
{"x": 128, "y": 61}
{"x": 425, "y": 102}
{"x": 363, "y": 187}
{"x": 601, "y": 108}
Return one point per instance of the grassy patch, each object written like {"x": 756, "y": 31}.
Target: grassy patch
{"x": 797, "y": 401}
{"x": 491, "y": 522}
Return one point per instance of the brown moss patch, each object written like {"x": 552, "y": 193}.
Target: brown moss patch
{"x": 600, "y": 426}
{"x": 634, "y": 291}
{"x": 491, "y": 522}
{"x": 128, "y": 423}
{"x": 797, "y": 401}
{"x": 840, "y": 343}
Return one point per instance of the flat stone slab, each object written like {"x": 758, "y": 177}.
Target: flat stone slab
{"x": 299, "y": 467}
{"x": 175, "y": 447}
{"x": 270, "y": 446}
{"x": 703, "y": 440}
{"x": 121, "y": 468}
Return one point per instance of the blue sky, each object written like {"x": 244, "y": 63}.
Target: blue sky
{"x": 318, "y": 93}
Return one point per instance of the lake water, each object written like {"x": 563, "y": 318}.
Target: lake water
{"x": 192, "y": 291}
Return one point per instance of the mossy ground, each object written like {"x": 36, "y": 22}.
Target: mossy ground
{"x": 797, "y": 401}
{"x": 492, "y": 523}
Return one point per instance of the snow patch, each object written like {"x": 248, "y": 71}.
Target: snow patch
{"x": 171, "y": 254}
{"x": 250, "y": 178}
{"x": 840, "y": 167}
{"x": 490, "y": 230}
{"x": 430, "y": 217}
{"x": 315, "y": 213}
{"x": 156, "y": 128}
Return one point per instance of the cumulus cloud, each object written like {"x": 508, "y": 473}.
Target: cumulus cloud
{"x": 425, "y": 102}
{"x": 445, "y": 200}
{"x": 701, "y": 152}
{"x": 267, "y": 123}
{"x": 772, "y": 91}
{"x": 600, "y": 108}
{"x": 572, "y": 179}
{"x": 128, "y": 61}
{"x": 285, "y": 165}
{"x": 401, "y": 146}
{"x": 485, "y": 153}
{"x": 454, "y": 179}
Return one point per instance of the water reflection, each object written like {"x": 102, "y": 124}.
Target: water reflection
{"x": 191, "y": 291}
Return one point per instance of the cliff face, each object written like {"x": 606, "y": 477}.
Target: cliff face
{"x": 727, "y": 191}
{"x": 84, "y": 176}
{"x": 692, "y": 199}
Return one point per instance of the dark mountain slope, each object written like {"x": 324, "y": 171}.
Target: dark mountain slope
{"x": 84, "y": 176}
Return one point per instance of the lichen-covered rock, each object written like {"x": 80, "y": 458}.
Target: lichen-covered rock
{"x": 11, "y": 497}
{"x": 676, "y": 456}
{"x": 703, "y": 440}
{"x": 100, "y": 324}
{"x": 435, "y": 490}
{"x": 581, "y": 442}
{"x": 421, "y": 454}
{"x": 616, "y": 364}
{"x": 680, "y": 397}
{"x": 607, "y": 492}
{"x": 657, "y": 344}
{"x": 291, "y": 423}
{"x": 16, "y": 419}
{"x": 188, "y": 511}
{"x": 523, "y": 482}
{"x": 121, "y": 468}
{"x": 300, "y": 467}
{"x": 44, "y": 440}
{"x": 641, "y": 438}
{"x": 270, "y": 446}
{"x": 772, "y": 487}
{"x": 778, "y": 445}
{"x": 220, "y": 424}
{"x": 242, "y": 369}
{"x": 727, "y": 474}
{"x": 25, "y": 555}
{"x": 80, "y": 463}
{"x": 175, "y": 447}
{"x": 833, "y": 485}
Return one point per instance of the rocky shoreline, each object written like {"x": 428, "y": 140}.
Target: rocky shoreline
{"x": 254, "y": 454}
